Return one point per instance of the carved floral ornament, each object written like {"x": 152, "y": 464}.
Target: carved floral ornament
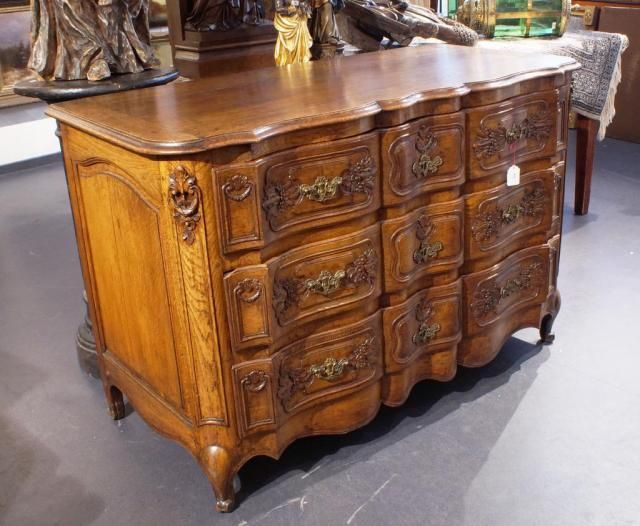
{"x": 295, "y": 380}
{"x": 487, "y": 225}
{"x": 426, "y": 331}
{"x": 238, "y": 188}
{"x": 493, "y": 140}
{"x": 290, "y": 291}
{"x": 426, "y": 250}
{"x": 185, "y": 196}
{"x": 488, "y": 297}
{"x": 279, "y": 196}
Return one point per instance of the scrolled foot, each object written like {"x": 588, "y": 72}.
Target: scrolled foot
{"x": 546, "y": 336}
{"x": 221, "y": 469}
{"x": 115, "y": 403}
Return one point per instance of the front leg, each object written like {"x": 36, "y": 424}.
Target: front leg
{"x": 220, "y": 468}
{"x": 546, "y": 325}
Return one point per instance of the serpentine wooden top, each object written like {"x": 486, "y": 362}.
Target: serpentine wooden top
{"x": 244, "y": 108}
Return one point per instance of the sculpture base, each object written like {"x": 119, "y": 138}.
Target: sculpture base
{"x": 52, "y": 91}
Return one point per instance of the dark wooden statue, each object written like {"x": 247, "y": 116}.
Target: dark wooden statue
{"x": 369, "y": 22}
{"x": 324, "y": 29}
{"x": 90, "y": 39}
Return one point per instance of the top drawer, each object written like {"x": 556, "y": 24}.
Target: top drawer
{"x": 318, "y": 185}
{"x": 519, "y": 129}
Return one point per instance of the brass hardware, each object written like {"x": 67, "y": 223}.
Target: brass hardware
{"x": 294, "y": 380}
{"x": 238, "y": 188}
{"x": 425, "y": 164}
{"x": 426, "y": 250}
{"x": 487, "y": 225}
{"x": 491, "y": 141}
{"x": 255, "y": 381}
{"x": 249, "y": 290}
{"x": 426, "y": 333}
{"x": 289, "y": 291}
{"x": 487, "y": 299}
{"x": 322, "y": 189}
{"x": 330, "y": 369}
{"x": 326, "y": 282}
{"x": 185, "y": 196}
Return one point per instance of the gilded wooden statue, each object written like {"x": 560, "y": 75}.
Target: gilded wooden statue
{"x": 90, "y": 39}
{"x": 294, "y": 42}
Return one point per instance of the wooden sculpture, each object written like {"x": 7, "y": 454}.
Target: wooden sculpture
{"x": 294, "y": 40}
{"x": 324, "y": 29}
{"x": 90, "y": 39}
{"x": 370, "y": 22}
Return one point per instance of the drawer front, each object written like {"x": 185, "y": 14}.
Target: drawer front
{"x": 517, "y": 130}
{"x": 320, "y": 367}
{"x": 510, "y": 218}
{"x": 520, "y": 281}
{"x": 300, "y": 189}
{"x": 427, "y": 241}
{"x": 318, "y": 280}
{"x": 427, "y": 322}
{"x": 423, "y": 156}
{"x": 254, "y": 395}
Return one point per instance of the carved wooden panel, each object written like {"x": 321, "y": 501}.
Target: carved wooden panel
{"x": 427, "y": 322}
{"x": 304, "y": 284}
{"x": 254, "y": 388}
{"x": 517, "y": 130}
{"x": 329, "y": 364}
{"x": 125, "y": 225}
{"x": 427, "y": 241}
{"x": 298, "y": 189}
{"x": 423, "y": 156}
{"x": 519, "y": 281}
{"x": 505, "y": 219}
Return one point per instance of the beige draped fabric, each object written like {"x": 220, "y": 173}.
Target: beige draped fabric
{"x": 294, "y": 40}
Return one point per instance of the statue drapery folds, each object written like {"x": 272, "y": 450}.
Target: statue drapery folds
{"x": 90, "y": 39}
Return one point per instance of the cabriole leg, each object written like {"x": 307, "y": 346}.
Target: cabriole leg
{"x": 115, "y": 402}
{"x": 546, "y": 326}
{"x": 220, "y": 469}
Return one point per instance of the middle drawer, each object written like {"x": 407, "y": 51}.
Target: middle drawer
{"x": 267, "y": 302}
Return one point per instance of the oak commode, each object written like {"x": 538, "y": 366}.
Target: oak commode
{"x": 274, "y": 254}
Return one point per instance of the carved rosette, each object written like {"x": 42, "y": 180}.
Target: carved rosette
{"x": 255, "y": 381}
{"x": 238, "y": 188}
{"x": 185, "y": 196}
{"x": 289, "y": 292}
{"x": 426, "y": 330}
{"x": 426, "y": 250}
{"x": 249, "y": 290}
{"x": 428, "y": 161}
{"x": 295, "y": 380}
{"x": 491, "y": 141}
{"x": 279, "y": 196}
{"x": 487, "y": 298}
{"x": 487, "y": 225}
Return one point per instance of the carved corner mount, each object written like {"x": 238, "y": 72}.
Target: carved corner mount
{"x": 185, "y": 196}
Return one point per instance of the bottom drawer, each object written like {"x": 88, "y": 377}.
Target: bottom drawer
{"x": 501, "y": 300}
{"x": 308, "y": 373}
{"x": 421, "y": 339}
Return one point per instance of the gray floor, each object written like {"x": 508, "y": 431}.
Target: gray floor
{"x": 542, "y": 436}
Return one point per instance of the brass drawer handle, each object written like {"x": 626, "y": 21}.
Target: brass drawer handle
{"x": 487, "y": 298}
{"x": 425, "y": 164}
{"x": 491, "y": 141}
{"x": 426, "y": 250}
{"x": 280, "y": 196}
{"x": 426, "y": 331}
{"x": 293, "y": 380}
{"x": 289, "y": 291}
{"x": 322, "y": 189}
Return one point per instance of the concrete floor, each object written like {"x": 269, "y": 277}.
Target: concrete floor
{"x": 542, "y": 436}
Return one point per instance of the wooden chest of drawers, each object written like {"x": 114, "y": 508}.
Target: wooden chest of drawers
{"x": 275, "y": 254}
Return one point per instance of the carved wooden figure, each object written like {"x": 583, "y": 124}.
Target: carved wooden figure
{"x": 90, "y": 39}
{"x": 283, "y": 269}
